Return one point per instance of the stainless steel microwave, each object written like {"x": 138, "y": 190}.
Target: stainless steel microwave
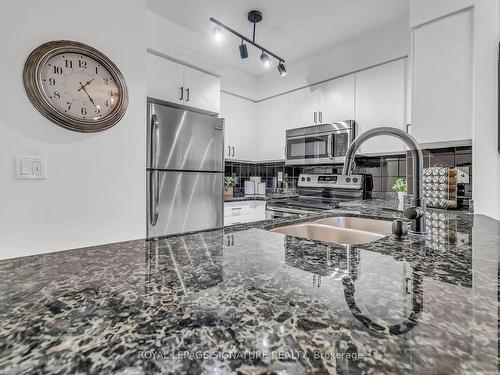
{"x": 319, "y": 144}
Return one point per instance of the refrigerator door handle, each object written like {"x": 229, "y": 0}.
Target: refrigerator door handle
{"x": 155, "y": 140}
{"x": 154, "y": 202}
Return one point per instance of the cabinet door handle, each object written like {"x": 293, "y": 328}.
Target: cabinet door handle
{"x": 408, "y": 126}
{"x": 187, "y": 92}
{"x": 320, "y": 117}
{"x": 182, "y": 93}
{"x": 315, "y": 117}
{"x": 233, "y": 150}
{"x": 228, "y": 150}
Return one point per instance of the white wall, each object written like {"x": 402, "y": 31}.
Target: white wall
{"x": 389, "y": 42}
{"x": 486, "y": 159}
{"x": 198, "y": 50}
{"x": 95, "y": 187}
{"x": 422, "y": 11}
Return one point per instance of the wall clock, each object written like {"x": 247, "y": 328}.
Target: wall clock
{"x": 75, "y": 86}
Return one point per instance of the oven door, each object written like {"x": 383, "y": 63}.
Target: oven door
{"x": 309, "y": 149}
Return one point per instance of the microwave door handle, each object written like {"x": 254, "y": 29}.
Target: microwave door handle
{"x": 330, "y": 146}
{"x": 155, "y": 141}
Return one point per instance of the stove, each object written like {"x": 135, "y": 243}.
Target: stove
{"x": 319, "y": 192}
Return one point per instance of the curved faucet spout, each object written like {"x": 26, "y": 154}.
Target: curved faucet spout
{"x": 418, "y": 223}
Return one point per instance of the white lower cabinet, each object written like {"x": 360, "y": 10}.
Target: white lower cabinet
{"x": 240, "y": 128}
{"x": 381, "y": 101}
{"x": 244, "y": 212}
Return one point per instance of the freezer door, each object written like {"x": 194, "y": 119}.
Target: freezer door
{"x": 181, "y": 202}
{"x": 184, "y": 140}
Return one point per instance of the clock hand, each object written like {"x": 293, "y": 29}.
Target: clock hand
{"x": 86, "y": 84}
{"x": 90, "y": 98}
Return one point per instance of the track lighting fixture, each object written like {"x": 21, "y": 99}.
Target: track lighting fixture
{"x": 218, "y": 33}
{"x": 254, "y": 17}
{"x": 282, "y": 69}
{"x": 265, "y": 59}
{"x": 243, "y": 50}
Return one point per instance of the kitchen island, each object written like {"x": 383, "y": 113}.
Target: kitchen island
{"x": 247, "y": 300}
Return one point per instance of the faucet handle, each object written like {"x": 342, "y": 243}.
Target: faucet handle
{"x": 413, "y": 213}
{"x": 399, "y": 229}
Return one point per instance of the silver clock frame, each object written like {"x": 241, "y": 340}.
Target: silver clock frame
{"x": 32, "y": 77}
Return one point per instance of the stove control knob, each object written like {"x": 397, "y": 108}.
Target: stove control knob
{"x": 303, "y": 178}
{"x": 308, "y": 179}
{"x": 355, "y": 180}
{"x": 348, "y": 179}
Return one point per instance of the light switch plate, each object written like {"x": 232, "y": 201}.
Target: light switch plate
{"x": 30, "y": 168}
{"x": 463, "y": 175}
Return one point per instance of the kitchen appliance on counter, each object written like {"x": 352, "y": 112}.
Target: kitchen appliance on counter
{"x": 185, "y": 171}
{"x": 321, "y": 192}
{"x": 319, "y": 144}
{"x": 250, "y": 188}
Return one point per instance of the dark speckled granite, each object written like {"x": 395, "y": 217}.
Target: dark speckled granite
{"x": 252, "y": 301}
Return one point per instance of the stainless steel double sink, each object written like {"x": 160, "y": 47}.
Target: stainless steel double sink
{"x": 340, "y": 230}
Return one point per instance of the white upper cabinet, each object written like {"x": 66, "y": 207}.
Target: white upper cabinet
{"x": 381, "y": 101}
{"x": 202, "y": 90}
{"x": 273, "y": 118}
{"x": 304, "y": 107}
{"x": 337, "y": 99}
{"x": 179, "y": 84}
{"x": 164, "y": 79}
{"x": 442, "y": 80}
{"x": 327, "y": 102}
{"x": 240, "y": 128}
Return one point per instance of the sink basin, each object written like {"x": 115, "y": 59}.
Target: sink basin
{"x": 383, "y": 227}
{"x": 340, "y": 230}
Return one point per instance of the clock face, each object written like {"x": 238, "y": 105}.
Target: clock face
{"x": 75, "y": 86}
{"x": 79, "y": 86}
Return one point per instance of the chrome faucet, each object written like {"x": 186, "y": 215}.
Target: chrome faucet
{"x": 416, "y": 213}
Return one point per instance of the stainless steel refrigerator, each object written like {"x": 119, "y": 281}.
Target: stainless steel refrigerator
{"x": 185, "y": 171}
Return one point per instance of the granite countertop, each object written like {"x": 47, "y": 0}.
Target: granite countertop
{"x": 247, "y": 300}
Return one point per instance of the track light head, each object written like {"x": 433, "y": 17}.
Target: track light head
{"x": 243, "y": 50}
{"x": 218, "y": 33}
{"x": 265, "y": 59}
{"x": 282, "y": 69}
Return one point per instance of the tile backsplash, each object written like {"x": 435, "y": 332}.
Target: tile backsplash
{"x": 385, "y": 169}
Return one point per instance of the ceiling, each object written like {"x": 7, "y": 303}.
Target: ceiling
{"x": 293, "y": 29}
